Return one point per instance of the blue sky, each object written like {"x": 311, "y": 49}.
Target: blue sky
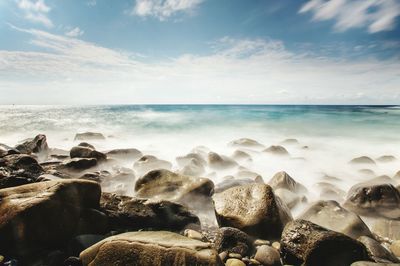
{"x": 199, "y": 51}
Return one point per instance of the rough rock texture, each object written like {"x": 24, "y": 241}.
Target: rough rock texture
{"x": 164, "y": 184}
{"x": 87, "y": 152}
{"x": 376, "y": 251}
{"x": 253, "y": 209}
{"x": 387, "y": 228}
{"x": 89, "y": 136}
{"x": 331, "y": 215}
{"x": 148, "y": 249}
{"x": 149, "y": 162}
{"x": 126, "y": 213}
{"x": 124, "y": 154}
{"x": 36, "y": 145}
{"x": 309, "y": 244}
{"x": 276, "y": 150}
{"x": 234, "y": 241}
{"x": 232, "y": 182}
{"x": 374, "y": 199}
{"x": 45, "y": 214}
{"x": 362, "y": 160}
{"x": 220, "y": 162}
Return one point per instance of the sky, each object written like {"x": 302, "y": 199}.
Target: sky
{"x": 200, "y": 51}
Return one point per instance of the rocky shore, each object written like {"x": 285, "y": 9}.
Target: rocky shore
{"x": 83, "y": 206}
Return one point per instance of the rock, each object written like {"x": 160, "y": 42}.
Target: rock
{"x": 246, "y": 174}
{"x": 328, "y": 191}
{"x": 367, "y": 263}
{"x": 362, "y": 160}
{"x": 164, "y": 184}
{"x": 396, "y": 177}
{"x": 253, "y": 209}
{"x": 229, "y": 183}
{"x": 241, "y": 155}
{"x": 247, "y": 143}
{"x": 219, "y": 162}
{"x": 367, "y": 172}
{"x": 268, "y": 256}
{"x": 331, "y": 215}
{"x": 87, "y": 145}
{"x": 276, "y": 245}
{"x": 387, "y": 229}
{"x": 45, "y": 214}
{"x": 6, "y": 150}
{"x": 77, "y": 164}
{"x": 376, "y": 251}
{"x": 291, "y": 141}
{"x": 37, "y": 145}
{"x": 89, "y": 136}
{"x": 148, "y": 162}
{"x": 234, "y": 262}
{"x": 374, "y": 199}
{"x": 147, "y": 248}
{"x": 193, "y": 234}
{"x": 124, "y": 154}
{"x": 386, "y": 158}
{"x": 261, "y": 242}
{"x": 234, "y": 241}
{"x": 290, "y": 198}
{"x": 309, "y": 244}
{"x": 72, "y": 261}
{"x": 188, "y": 158}
{"x": 193, "y": 168}
{"x": 87, "y": 152}
{"x": 395, "y": 248}
{"x": 284, "y": 180}
{"x": 276, "y": 150}
{"x": 223, "y": 255}
{"x": 126, "y": 213}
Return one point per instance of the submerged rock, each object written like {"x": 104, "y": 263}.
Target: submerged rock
{"x": 309, "y": 244}
{"x": 124, "y": 154}
{"x": 331, "y": 215}
{"x": 374, "y": 199}
{"x": 45, "y": 214}
{"x": 253, "y": 209}
{"x": 149, "y": 162}
{"x": 376, "y": 251}
{"x": 241, "y": 155}
{"x": 362, "y": 160}
{"x": 219, "y": 162}
{"x": 276, "y": 150}
{"x": 150, "y": 248}
{"x": 89, "y": 136}
{"x": 386, "y": 158}
{"x": 247, "y": 143}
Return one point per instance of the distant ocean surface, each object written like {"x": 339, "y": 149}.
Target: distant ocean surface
{"x": 334, "y": 134}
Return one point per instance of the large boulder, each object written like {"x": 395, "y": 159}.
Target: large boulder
{"x": 89, "y": 136}
{"x": 126, "y": 213}
{"x": 374, "y": 199}
{"x": 167, "y": 185}
{"x": 253, "y": 209}
{"x": 37, "y": 145}
{"x": 149, "y": 162}
{"x": 87, "y": 152}
{"x": 376, "y": 251}
{"x": 150, "y": 248}
{"x": 331, "y": 215}
{"x": 47, "y": 214}
{"x": 285, "y": 181}
{"x": 305, "y": 243}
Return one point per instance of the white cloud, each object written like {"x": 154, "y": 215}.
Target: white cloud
{"x": 75, "y": 32}
{"x": 163, "y": 9}
{"x": 91, "y": 3}
{"x": 35, "y": 11}
{"x": 376, "y": 15}
{"x": 70, "y": 70}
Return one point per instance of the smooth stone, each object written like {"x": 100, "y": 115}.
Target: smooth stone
{"x": 362, "y": 160}
{"x": 77, "y": 164}
{"x": 234, "y": 262}
{"x": 277, "y": 150}
{"x": 247, "y": 143}
{"x": 284, "y": 180}
{"x": 89, "y": 136}
{"x": 86, "y": 152}
{"x": 268, "y": 256}
{"x": 124, "y": 154}
{"x": 291, "y": 141}
{"x": 193, "y": 234}
{"x": 276, "y": 245}
{"x": 147, "y": 248}
{"x": 376, "y": 251}
{"x": 220, "y": 162}
{"x": 368, "y": 263}
{"x": 232, "y": 182}
{"x": 223, "y": 255}
{"x": 386, "y": 158}
{"x": 395, "y": 248}
{"x": 241, "y": 155}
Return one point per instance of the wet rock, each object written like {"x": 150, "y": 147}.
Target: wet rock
{"x": 124, "y": 154}
{"x": 276, "y": 245}
{"x": 241, "y": 155}
{"x": 246, "y": 174}
{"x": 150, "y": 248}
{"x": 253, "y": 209}
{"x": 220, "y": 162}
{"x": 247, "y": 143}
{"x": 77, "y": 164}
{"x": 230, "y": 183}
{"x": 387, "y": 228}
{"x": 6, "y": 150}
{"x": 87, "y": 145}
{"x": 374, "y": 199}
{"x": 234, "y": 262}
{"x": 234, "y": 241}
{"x": 164, "y": 184}
{"x": 44, "y": 214}
{"x": 284, "y": 180}
{"x": 386, "y": 158}
{"x": 395, "y": 248}
{"x": 126, "y": 213}
{"x": 277, "y": 150}
{"x": 268, "y": 256}
{"x": 149, "y": 162}
{"x": 362, "y": 160}
{"x": 331, "y": 215}
{"x": 291, "y": 141}
{"x": 37, "y": 145}
{"x": 87, "y": 152}
{"x": 376, "y": 251}
{"x": 306, "y": 243}
{"x": 89, "y": 136}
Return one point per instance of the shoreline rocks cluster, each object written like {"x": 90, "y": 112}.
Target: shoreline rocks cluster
{"x": 83, "y": 207}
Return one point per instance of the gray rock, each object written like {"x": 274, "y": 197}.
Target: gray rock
{"x": 77, "y": 164}
{"x": 284, "y": 180}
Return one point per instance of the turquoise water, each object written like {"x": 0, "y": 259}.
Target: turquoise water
{"x": 334, "y": 134}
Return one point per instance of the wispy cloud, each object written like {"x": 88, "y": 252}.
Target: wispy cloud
{"x": 75, "y": 32}
{"x": 35, "y": 11}
{"x": 163, "y": 9}
{"x": 238, "y": 71}
{"x": 376, "y": 15}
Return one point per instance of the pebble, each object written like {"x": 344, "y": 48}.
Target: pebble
{"x": 268, "y": 256}
{"x": 395, "y": 248}
{"x": 234, "y": 262}
{"x": 223, "y": 255}
{"x": 193, "y": 234}
{"x": 276, "y": 245}
{"x": 235, "y": 255}
{"x": 260, "y": 242}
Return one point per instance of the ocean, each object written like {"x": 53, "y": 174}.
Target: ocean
{"x": 333, "y": 135}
